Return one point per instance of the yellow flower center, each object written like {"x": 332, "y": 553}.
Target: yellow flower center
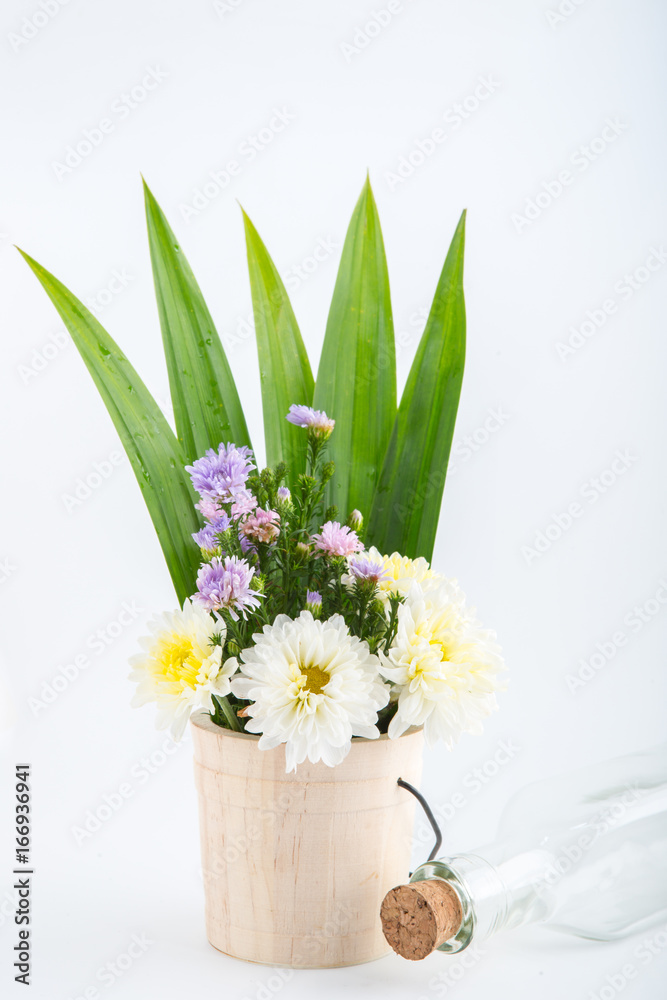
{"x": 422, "y": 665}
{"x": 315, "y": 679}
{"x": 175, "y": 659}
{"x": 441, "y": 647}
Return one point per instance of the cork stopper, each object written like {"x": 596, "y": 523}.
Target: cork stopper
{"x": 418, "y": 918}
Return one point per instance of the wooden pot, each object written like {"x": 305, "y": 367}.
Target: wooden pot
{"x": 296, "y": 865}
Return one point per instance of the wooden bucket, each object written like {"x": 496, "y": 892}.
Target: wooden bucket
{"x": 296, "y": 865}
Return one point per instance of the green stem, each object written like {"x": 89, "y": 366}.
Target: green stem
{"x": 363, "y": 605}
{"x": 229, "y": 714}
{"x": 392, "y": 626}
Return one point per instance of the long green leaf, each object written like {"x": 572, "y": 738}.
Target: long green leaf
{"x": 406, "y": 508}
{"x": 206, "y": 405}
{"x": 356, "y": 379}
{"x": 151, "y": 446}
{"x": 284, "y": 368}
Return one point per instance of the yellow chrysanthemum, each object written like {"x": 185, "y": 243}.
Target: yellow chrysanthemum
{"x": 180, "y": 666}
{"x": 313, "y": 686}
{"x": 445, "y": 666}
{"x": 400, "y": 573}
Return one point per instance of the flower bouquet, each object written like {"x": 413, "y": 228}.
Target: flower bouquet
{"x": 312, "y": 660}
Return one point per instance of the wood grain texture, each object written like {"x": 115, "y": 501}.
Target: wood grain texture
{"x": 296, "y": 865}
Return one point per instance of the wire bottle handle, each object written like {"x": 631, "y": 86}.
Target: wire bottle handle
{"x": 429, "y": 815}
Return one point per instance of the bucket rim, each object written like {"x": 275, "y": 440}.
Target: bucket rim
{"x": 202, "y": 720}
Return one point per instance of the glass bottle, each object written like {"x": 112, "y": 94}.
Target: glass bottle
{"x": 585, "y": 853}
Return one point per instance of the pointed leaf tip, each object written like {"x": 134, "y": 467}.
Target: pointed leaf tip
{"x": 285, "y": 371}
{"x": 207, "y": 408}
{"x": 154, "y": 452}
{"x": 356, "y": 380}
{"x": 406, "y": 506}
{"x": 27, "y": 258}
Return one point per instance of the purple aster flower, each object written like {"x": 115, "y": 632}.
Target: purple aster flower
{"x": 283, "y": 493}
{"x": 226, "y": 585}
{"x": 246, "y": 545}
{"x": 244, "y": 503}
{"x": 315, "y": 420}
{"x": 336, "y": 540}
{"x": 365, "y": 568}
{"x": 262, "y": 526}
{"x": 314, "y": 603}
{"x": 207, "y": 538}
{"x": 221, "y": 474}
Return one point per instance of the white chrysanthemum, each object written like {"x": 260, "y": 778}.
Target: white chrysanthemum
{"x": 446, "y": 666}
{"x": 179, "y": 667}
{"x": 400, "y": 573}
{"x": 314, "y": 687}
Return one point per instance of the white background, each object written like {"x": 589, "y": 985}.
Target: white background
{"x": 68, "y": 572}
